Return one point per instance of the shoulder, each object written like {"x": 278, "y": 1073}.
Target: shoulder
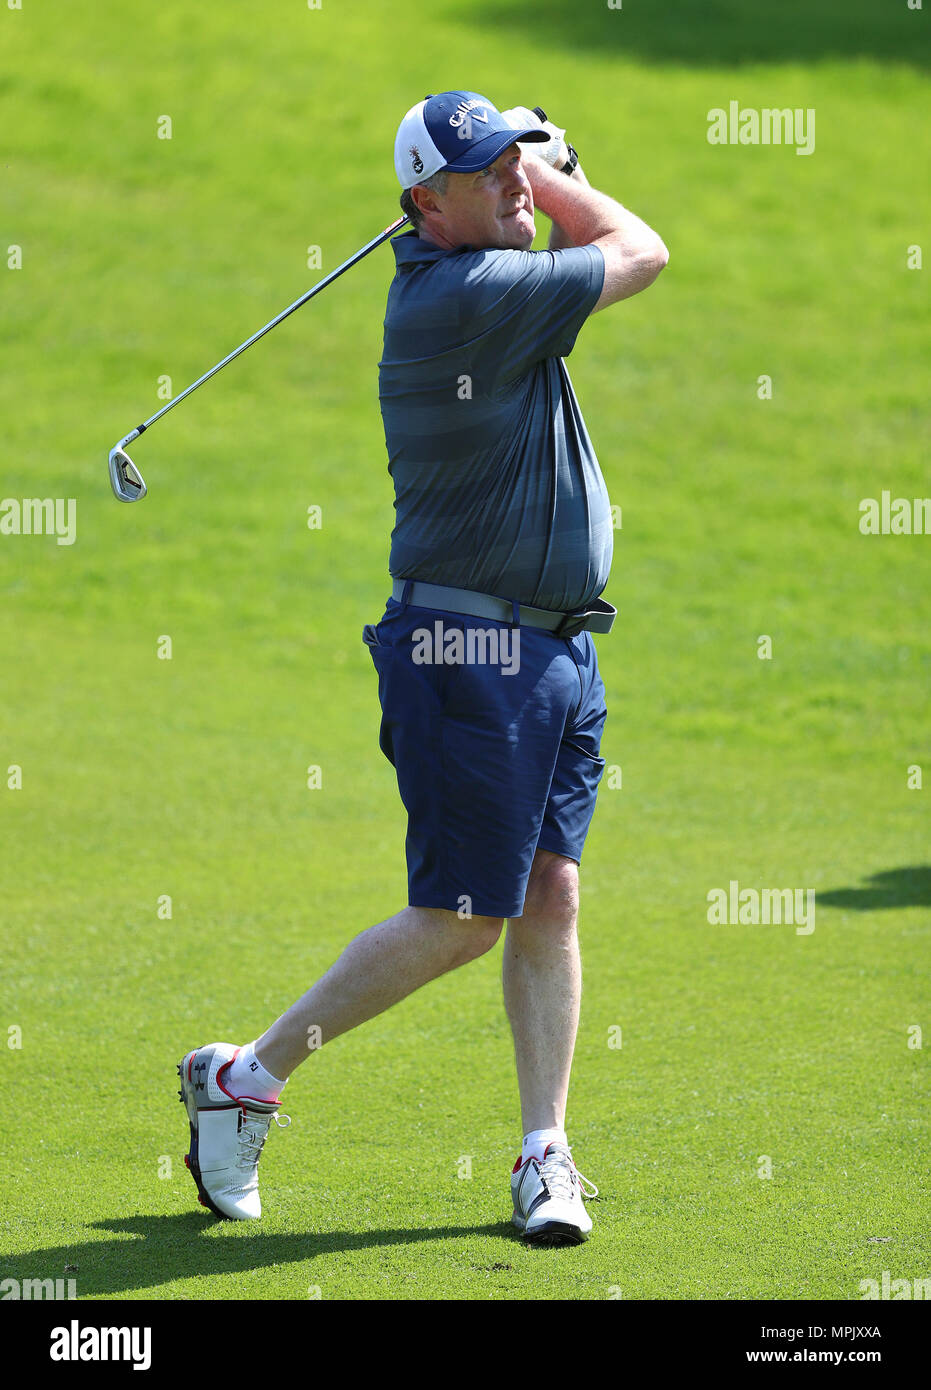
{"x": 492, "y": 275}
{"x": 515, "y": 266}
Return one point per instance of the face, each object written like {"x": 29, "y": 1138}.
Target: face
{"x": 490, "y": 208}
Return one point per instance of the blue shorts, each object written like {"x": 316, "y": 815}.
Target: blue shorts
{"x": 495, "y": 736}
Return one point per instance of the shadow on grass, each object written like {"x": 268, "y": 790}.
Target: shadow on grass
{"x": 175, "y": 1247}
{"x": 906, "y": 887}
{"x": 709, "y": 33}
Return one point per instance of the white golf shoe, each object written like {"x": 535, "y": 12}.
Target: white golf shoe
{"x": 547, "y": 1195}
{"x": 227, "y": 1134}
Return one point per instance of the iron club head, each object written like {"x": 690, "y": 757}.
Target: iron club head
{"x": 125, "y": 478}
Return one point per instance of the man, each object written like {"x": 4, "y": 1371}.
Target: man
{"x": 492, "y": 705}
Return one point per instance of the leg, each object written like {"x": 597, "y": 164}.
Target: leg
{"x": 377, "y": 969}
{"x": 542, "y": 979}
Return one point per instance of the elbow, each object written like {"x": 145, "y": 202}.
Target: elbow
{"x": 652, "y": 261}
{"x": 631, "y": 269}
{"x": 660, "y": 257}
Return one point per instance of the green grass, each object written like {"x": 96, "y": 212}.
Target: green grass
{"x": 187, "y": 777}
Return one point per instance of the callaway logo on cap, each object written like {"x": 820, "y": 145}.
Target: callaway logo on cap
{"x": 460, "y": 131}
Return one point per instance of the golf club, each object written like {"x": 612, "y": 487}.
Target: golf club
{"x": 125, "y": 478}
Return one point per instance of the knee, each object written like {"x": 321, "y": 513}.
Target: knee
{"x": 552, "y": 896}
{"x": 470, "y": 937}
{"x": 479, "y": 935}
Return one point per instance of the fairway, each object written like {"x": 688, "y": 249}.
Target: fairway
{"x": 195, "y": 817}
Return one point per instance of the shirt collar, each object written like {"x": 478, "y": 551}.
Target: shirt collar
{"x": 411, "y": 249}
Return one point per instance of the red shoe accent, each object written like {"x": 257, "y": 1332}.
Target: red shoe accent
{"x": 225, "y": 1067}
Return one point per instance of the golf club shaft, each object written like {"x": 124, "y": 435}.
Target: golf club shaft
{"x": 321, "y": 285}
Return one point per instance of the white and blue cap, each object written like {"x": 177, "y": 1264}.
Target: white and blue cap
{"x": 459, "y": 131}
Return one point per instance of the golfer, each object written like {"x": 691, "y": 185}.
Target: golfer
{"x": 492, "y": 704}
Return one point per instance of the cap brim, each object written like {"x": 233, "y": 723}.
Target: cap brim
{"x": 485, "y": 152}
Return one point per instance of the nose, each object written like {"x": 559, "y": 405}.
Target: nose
{"x": 519, "y": 181}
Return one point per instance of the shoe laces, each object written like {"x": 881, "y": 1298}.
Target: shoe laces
{"x": 560, "y": 1175}
{"x": 253, "y": 1132}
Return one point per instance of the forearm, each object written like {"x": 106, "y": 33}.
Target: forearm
{"x": 581, "y": 214}
{"x": 559, "y": 238}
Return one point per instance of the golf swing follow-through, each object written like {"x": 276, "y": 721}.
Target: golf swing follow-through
{"x": 125, "y": 479}
{"x": 502, "y": 519}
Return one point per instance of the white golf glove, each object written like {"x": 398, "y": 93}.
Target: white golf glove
{"x": 555, "y": 153}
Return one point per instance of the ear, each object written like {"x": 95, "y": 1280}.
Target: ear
{"x": 424, "y": 199}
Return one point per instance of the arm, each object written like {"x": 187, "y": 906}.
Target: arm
{"x": 558, "y": 239}
{"x": 633, "y": 253}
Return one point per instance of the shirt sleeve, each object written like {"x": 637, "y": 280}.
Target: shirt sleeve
{"x": 525, "y": 306}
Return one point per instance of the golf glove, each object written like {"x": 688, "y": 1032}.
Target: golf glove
{"x": 556, "y": 152}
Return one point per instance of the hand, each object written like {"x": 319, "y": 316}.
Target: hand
{"x": 556, "y": 153}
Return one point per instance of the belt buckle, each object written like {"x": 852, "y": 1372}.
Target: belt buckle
{"x": 571, "y": 625}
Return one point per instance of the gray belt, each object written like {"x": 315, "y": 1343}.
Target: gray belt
{"x": 597, "y": 617}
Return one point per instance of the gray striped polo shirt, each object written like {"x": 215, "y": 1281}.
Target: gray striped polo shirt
{"x": 497, "y": 487}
